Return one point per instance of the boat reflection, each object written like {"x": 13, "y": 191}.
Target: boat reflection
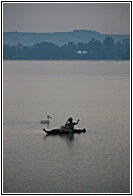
{"x": 68, "y": 137}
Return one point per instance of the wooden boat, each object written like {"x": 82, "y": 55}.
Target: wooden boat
{"x": 58, "y": 131}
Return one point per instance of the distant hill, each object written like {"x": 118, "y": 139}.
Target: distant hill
{"x": 59, "y": 38}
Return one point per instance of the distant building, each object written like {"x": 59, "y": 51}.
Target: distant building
{"x": 79, "y": 52}
{"x": 82, "y": 53}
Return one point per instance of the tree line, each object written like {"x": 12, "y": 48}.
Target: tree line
{"x": 94, "y": 49}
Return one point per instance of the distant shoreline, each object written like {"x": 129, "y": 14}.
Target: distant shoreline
{"x": 65, "y": 60}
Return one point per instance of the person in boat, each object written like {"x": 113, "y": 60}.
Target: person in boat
{"x": 70, "y": 124}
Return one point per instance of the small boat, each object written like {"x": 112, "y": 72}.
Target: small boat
{"x": 58, "y": 131}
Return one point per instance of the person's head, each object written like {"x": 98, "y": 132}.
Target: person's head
{"x": 70, "y": 120}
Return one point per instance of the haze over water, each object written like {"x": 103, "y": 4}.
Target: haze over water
{"x": 97, "y": 93}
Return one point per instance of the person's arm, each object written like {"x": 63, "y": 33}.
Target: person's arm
{"x": 66, "y": 123}
{"x": 76, "y": 122}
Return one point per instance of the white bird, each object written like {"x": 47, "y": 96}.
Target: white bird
{"x": 46, "y": 121}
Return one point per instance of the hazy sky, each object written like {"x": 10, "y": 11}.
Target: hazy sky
{"x": 51, "y": 17}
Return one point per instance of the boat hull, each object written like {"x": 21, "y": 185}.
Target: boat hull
{"x": 58, "y": 131}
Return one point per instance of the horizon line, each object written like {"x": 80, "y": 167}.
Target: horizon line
{"x": 69, "y": 31}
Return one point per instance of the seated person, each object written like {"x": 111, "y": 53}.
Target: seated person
{"x": 70, "y": 124}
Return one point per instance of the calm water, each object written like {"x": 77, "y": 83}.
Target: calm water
{"x": 97, "y": 93}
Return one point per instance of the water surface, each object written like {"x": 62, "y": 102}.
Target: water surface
{"x": 97, "y": 93}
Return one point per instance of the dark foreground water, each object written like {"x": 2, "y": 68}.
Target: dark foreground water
{"x": 97, "y": 93}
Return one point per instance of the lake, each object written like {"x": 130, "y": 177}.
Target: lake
{"x": 97, "y": 93}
